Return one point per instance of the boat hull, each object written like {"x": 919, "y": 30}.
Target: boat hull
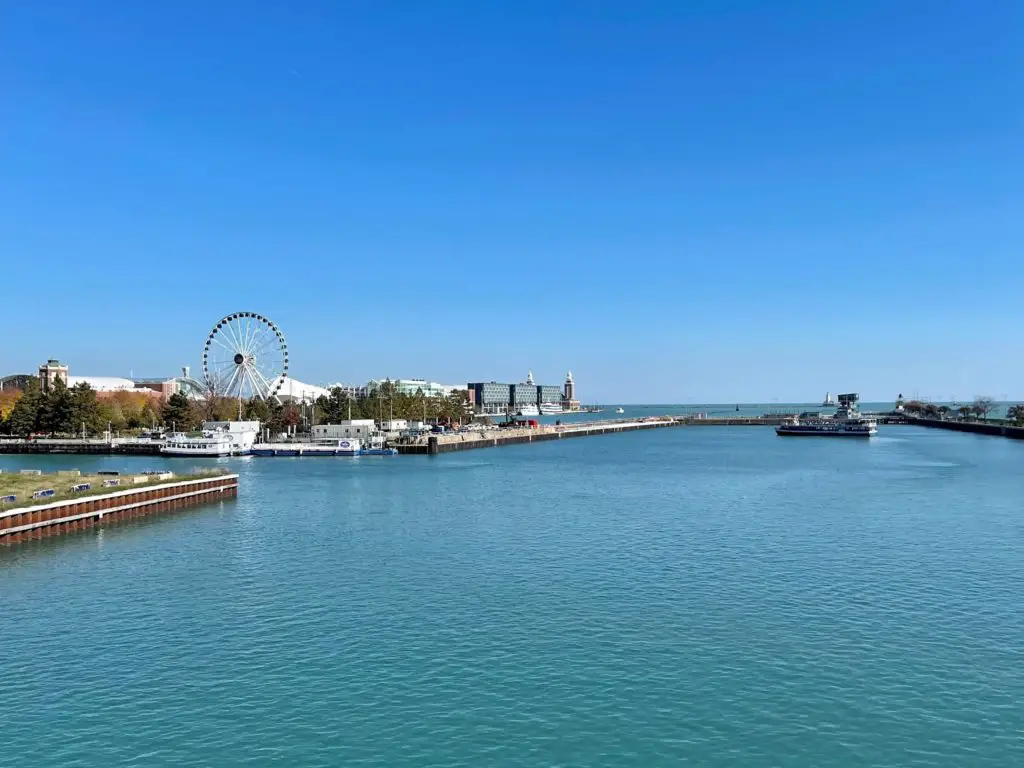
{"x": 784, "y": 432}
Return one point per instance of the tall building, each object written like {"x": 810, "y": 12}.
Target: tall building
{"x": 50, "y": 372}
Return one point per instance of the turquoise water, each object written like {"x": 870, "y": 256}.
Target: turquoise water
{"x": 705, "y": 596}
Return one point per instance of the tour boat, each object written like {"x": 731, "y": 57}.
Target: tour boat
{"x": 528, "y": 409}
{"x": 847, "y": 422}
{"x": 217, "y": 438}
{"x": 551, "y": 409}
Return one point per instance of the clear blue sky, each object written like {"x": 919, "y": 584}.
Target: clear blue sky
{"x": 681, "y": 201}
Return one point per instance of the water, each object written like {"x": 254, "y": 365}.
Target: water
{"x": 705, "y": 596}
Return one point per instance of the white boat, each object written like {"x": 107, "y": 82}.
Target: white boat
{"x": 620, "y": 410}
{"x": 529, "y": 409}
{"x": 217, "y": 438}
{"x": 551, "y": 409}
{"x": 829, "y": 400}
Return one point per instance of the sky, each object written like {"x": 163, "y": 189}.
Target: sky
{"x": 681, "y": 202}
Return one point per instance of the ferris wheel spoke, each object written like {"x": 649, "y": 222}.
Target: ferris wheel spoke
{"x": 247, "y": 334}
{"x": 233, "y": 381}
{"x": 268, "y": 387}
{"x": 266, "y": 340}
{"x": 217, "y": 341}
{"x": 251, "y": 383}
{"x": 258, "y": 389}
{"x": 236, "y": 334}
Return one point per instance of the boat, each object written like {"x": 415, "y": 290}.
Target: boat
{"x": 216, "y": 438}
{"x": 551, "y": 409}
{"x": 847, "y": 422}
{"x": 829, "y": 400}
{"x": 620, "y": 410}
{"x": 528, "y": 409}
{"x": 379, "y": 452}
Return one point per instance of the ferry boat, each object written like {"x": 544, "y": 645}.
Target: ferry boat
{"x": 529, "y": 409}
{"x": 217, "y": 438}
{"x": 847, "y": 422}
{"x": 551, "y": 409}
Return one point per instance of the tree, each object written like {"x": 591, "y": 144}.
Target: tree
{"x": 177, "y": 413}
{"x": 964, "y": 411}
{"x": 8, "y": 397}
{"x": 84, "y": 411}
{"x": 983, "y": 406}
{"x": 57, "y": 409}
{"x": 24, "y": 417}
{"x": 257, "y": 409}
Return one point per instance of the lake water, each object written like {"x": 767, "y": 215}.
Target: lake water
{"x": 704, "y": 596}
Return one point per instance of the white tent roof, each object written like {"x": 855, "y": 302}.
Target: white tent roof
{"x": 293, "y": 389}
{"x": 104, "y": 383}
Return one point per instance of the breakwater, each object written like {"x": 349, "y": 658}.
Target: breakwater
{"x": 60, "y": 517}
{"x": 436, "y": 444}
{"x": 977, "y": 427}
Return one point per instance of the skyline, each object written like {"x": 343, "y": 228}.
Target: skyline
{"x": 690, "y": 204}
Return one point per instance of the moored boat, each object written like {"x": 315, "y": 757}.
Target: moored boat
{"x": 217, "y": 438}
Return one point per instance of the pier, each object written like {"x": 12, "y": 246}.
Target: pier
{"x": 37, "y": 521}
{"x": 124, "y": 447}
{"x": 462, "y": 441}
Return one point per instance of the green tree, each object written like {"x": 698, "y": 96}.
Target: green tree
{"x": 84, "y": 412}
{"x": 177, "y": 413}
{"x": 24, "y": 418}
{"x": 257, "y": 409}
{"x": 57, "y": 409}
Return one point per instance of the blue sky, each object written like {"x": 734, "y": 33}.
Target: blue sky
{"x": 682, "y": 202}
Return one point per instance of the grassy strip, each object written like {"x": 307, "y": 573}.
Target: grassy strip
{"x": 23, "y": 486}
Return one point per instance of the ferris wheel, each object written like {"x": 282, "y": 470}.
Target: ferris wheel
{"x": 245, "y": 356}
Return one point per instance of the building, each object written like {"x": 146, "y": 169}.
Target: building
{"x": 346, "y": 429}
{"x": 549, "y": 394}
{"x": 50, "y": 372}
{"x": 16, "y": 381}
{"x": 413, "y": 387}
{"x": 394, "y": 425}
{"x": 497, "y": 399}
{"x": 490, "y": 396}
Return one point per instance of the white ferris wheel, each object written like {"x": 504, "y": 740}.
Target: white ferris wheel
{"x": 245, "y": 356}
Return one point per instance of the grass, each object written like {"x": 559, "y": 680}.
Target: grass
{"x": 23, "y": 486}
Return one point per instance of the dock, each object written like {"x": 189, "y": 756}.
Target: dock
{"x": 36, "y": 521}
{"x": 124, "y": 447}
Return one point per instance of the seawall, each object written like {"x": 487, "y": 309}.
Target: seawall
{"x": 61, "y": 517}
{"x": 980, "y": 428}
{"x": 436, "y": 444}
{"x": 122, "y": 447}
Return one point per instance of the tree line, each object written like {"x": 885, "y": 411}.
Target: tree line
{"x": 979, "y": 409}
{"x": 77, "y": 410}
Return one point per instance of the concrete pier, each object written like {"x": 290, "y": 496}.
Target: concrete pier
{"x": 435, "y": 444}
{"x": 60, "y": 517}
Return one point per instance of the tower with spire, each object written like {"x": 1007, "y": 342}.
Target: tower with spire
{"x": 569, "y": 401}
